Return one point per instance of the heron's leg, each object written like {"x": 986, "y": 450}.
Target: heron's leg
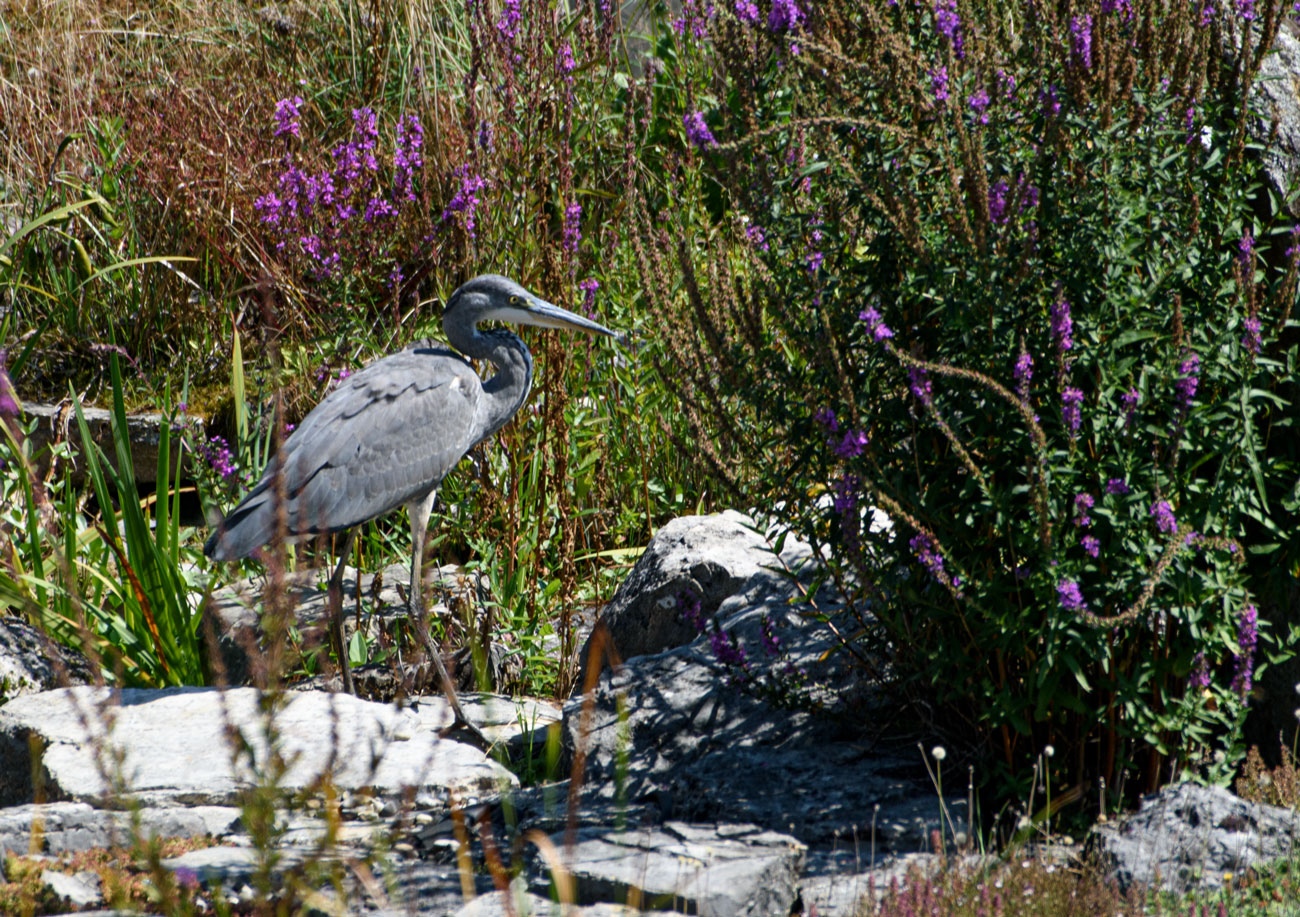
{"x": 419, "y": 512}
{"x": 335, "y": 596}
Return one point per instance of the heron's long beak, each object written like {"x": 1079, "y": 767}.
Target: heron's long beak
{"x": 543, "y": 314}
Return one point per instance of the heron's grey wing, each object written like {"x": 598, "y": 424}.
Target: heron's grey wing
{"x": 385, "y": 436}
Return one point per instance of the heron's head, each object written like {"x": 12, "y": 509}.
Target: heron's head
{"x": 491, "y": 297}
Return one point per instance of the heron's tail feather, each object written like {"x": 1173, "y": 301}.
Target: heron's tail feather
{"x": 250, "y": 525}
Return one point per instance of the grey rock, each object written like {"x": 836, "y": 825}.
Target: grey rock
{"x": 225, "y": 865}
{"x": 79, "y": 891}
{"x": 1187, "y": 837}
{"x": 59, "y": 421}
{"x": 703, "y": 747}
{"x": 174, "y": 747}
{"x": 694, "y": 869}
{"x": 706, "y": 557}
{"x": 1276, "y": 95}
{"x": 31, "y": 662}
{"x": 67, "y": 827}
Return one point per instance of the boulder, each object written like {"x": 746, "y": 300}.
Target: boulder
{"x": 1187, "y": 837}
{"x": 175, "y": 746}
{"x": 700, "y": 559}
{"x": 31, "y": 662}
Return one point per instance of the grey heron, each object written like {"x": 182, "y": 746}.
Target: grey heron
{"x": 390, "y": 433}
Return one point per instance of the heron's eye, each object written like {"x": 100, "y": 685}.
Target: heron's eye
{"x": 514, "y": 300}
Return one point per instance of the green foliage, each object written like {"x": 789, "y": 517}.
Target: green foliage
{"x": 911, "y": 215}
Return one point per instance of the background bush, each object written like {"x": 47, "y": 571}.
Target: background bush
{"x": 994, "y": 268}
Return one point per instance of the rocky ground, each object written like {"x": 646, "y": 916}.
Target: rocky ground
{"x": 693, "y": 785}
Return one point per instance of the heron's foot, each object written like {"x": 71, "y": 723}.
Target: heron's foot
{"x": 477, "y": 736}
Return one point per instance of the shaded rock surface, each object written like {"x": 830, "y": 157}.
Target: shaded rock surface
{"x": 56, "y": 422}
{"x": 31, "y": 662}
{"x": 1187, "y": 836}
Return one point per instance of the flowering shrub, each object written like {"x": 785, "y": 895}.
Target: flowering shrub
{"x": 1009, "y": 292}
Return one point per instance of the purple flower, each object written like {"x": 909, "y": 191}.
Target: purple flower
{"x": 785, "y": 16}
{"x": 927, "y": 553}
{"x": 1070, "y": 596}
{"x": 1207, "y": 13}
{"x": 756, "y": 237}
{"x": 1050, "y": 100}
{"x": 727, "y": 649}
{"x": 1081, "y": 35}
{"x": 218, "y": 455}
{"x": 572, "y": 233}
{"x": 1246, "y": 9}
{"x": 1251, "y": 339}
{"x": 1082, "y": 503}
{"x": 1246, "y": 248}
{"x": 377, "y": 208}
{"x": 1247, "y": 637}
{"x": 1072, "y": 410}
{"x": 815, "y": 262}
{"x": 589, "y": 288}
{"x": 465, "y": 201}
{"x": 1189, "y": 377}
{"x": 1199, "y": 677}
{"x": 998, "y": 202}
{"x": 406, "y": 156}
{"x": 1163, "y": 514}
{"x": 697, "y": 132}
{"x": 853, "y": 444}
{"x": 1117, "y": 486}
{"x": 508, "y": 23}
{"x": 979, "y": 103}
{"x": 485, "y": 136}
{"x": 845, "y": 500}
{"x": 875, "y": 324}
{"x": 1062, "y": 325}
{"x": 1117, "y": 6}
{"x": 286, "y": 117}
{"x": 688, "y": 606}
{"x": 919, "y": 382}
{"x": 939, "y": 83}
{"x": 566, "y": 62}
{"x": 948, "y": 23}
{"x": 694, "y": 19}
{"x": 1023, "y": 374}
{"x": 746, "y": 11}
{"x": 825, "y": 418}
{"x": 1091, "y": 545}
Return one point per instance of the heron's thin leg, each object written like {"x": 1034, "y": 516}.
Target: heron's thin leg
{"x": 419, "y": 513}
{"x": 335, "y": 596}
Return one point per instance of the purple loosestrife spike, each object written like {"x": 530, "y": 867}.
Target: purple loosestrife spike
{"x": 688, "y": 606}
{"x": 1129, "y": 401}
{"x": 1163, "y": 514}
{"x": 1050, "y": 99}
{"x": 875, "y": 324}
{"x": 1251, "y": 340}
{"x": 508, "y": 24}
{"x": 979, "y": 103}
{"x": 998, "y": 202}
{"x": 948, "y": 22}
{"x": 919, "y": 381}
{"x": 1200, "y": 674}
{"x": 771, "y": 642}
{"x": 485, "y": 141}
{"x": 1072, "y": 410}
{"x": 1070, "y": 595}
{"x": 757, "y": 238}
{"x": 746, "y": 11}
{"x": 697, "y": 131}
{"x": 1091, "y": 545}
{"x": 1246, "y": 10}
{"x": 1189, "y": 372}
{"x": 826, "y": 419}
{"x": 1023, "y": 374}
{"x": 465, "y": 201}
{"x": 286, "y": 117}
{"x": 786, "y": 16}
{"x": 1081, "y": 33}
{"x": 572, "y": 233}
{"x": 853, "y": 444}
{"x": 1247, "y": 636}
{"x": 1062, "y": 325}
{"x": 1246, "y": 248}
{"x": 1117, "y": 486}
{"x": 815, "y": 262}
{"x": 925, "y": 550}
{"x": 939, "y": 83}
{"x": 1082, "y": 504}
{"x": 589, "y": 288}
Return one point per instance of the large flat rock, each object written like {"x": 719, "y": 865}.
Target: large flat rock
{"x": 202, "y": 746}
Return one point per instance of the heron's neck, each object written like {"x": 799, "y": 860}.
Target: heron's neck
{"x": 508, "y": 388}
